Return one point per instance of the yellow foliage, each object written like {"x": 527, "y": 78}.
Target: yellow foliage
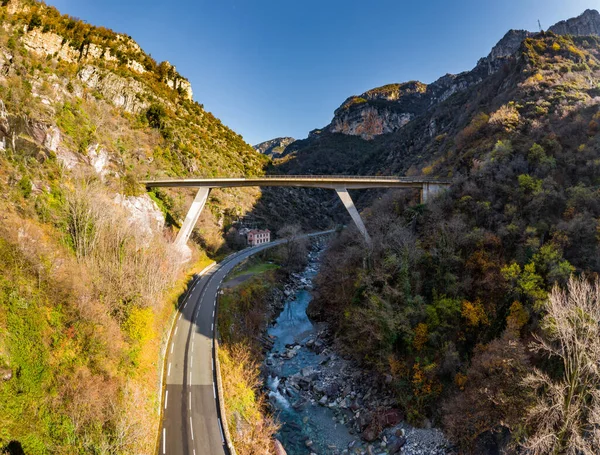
{"x": 460, "y": 380}
{"x": 517, "y": 317}
{"x": 427, "y": 170}
{"x": 422, "y": 383}
{"x": 575, "y": 51}
{"x": 474, "y": 313}
{"x": 252, "y": 430}
{"x": 555, "y": 47}
{"x": 506, "y": 117}
{"x": 140, "y": 325}
{"x": 398, "y": 369}
{"x": 537, "y": 77}
{"x": 421, "y": 336}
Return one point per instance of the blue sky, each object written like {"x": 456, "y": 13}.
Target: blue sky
{"x": 271, "y": 68}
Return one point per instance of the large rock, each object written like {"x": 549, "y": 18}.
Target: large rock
{"x": 49, "y": 44}
{"x": 126, "y": 93}
{"x": 99, "y": 159}
{"x": 279, "y": 450}
{"x": 395, "y": 444}
{"x": 143, "y": 211}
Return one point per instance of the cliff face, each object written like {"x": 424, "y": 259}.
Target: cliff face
{"x": 586, "y": 24}
{"x": 274, "y": 147}
{"x": 389, "y": 108}
{"x": 48, "y": 34}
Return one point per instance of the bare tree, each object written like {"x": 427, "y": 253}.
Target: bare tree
{"x": 296, "y": 245}
{"x": 82, "y": 219}
{"x": 566, "y": 414}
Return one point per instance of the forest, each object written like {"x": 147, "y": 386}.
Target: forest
{"x": 479, "y": 304}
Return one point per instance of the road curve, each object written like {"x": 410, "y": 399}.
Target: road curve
{"x": 191, "y": 422}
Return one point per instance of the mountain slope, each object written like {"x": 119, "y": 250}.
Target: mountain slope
{"x": 88, "y": 273}
{"x": 446, "y": 302}
{"x": 412, "y": 114}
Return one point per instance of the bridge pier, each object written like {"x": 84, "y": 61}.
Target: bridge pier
{"x": 429, "y": 189}
{"x": 192, "y": 216}
{"x": 342, "y": 192}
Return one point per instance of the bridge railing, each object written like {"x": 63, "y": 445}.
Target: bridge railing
{"x": 351, "y": 177}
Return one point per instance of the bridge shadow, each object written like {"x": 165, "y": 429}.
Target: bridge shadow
{"x": 313, "y": 209}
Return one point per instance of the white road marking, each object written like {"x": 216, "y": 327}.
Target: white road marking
{"x": 164, "y": 440}
{"x": 214, "y": 392}
{"x": 221, "y": 429}
{"x": 191, "y": 428}
{"x": 179, "y": 318}
{"x": 169, "y": 372}
{"x": 212, "y": 327}
{"x": 213, "y": 314}
{"x": 166, "y": 398}
{"x": 176, "y": 328}
{"x": 186, "y": 302}
{"x": 190, "y": 401}
{"x": 190, "y": 377}
{"x": 191, "y": 361}
{"x": 192, "y": 346}
{"x": 172, "y": 346}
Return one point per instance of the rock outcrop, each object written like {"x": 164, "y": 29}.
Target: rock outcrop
{"x": 123, "y": 92}
{"x": 274, "y": 147}
{"x": 143, "y": 212}
{"x": 587, "y": 23}
{"x": 127, "y": 53}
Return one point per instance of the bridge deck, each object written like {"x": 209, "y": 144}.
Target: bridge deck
{"x": 310, "y": 181}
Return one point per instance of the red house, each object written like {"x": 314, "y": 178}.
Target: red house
{"x": 258, "y": 237}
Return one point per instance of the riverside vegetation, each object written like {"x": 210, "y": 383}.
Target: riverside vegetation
{"x": 88, "y": 274}
{"x": 245, "y": 310}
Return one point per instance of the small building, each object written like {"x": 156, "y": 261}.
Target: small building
{"x": 258, "y": 237}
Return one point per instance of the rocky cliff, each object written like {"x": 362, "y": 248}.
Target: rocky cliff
{"x": 48, "y": 34}
{"x": 274, "y": 147}
{"x": 586, "y": 24}
{"x": 389, "y": 108}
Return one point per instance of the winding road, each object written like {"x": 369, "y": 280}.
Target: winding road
{"x": 192, "y": 422}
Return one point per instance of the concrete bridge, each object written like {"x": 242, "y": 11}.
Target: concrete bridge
{"x": 340, "y": 183}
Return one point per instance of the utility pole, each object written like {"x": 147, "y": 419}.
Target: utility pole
{"x": 540, "y": 26}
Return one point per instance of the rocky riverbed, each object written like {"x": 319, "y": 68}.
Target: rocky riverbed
{"x": 325, "y": 403}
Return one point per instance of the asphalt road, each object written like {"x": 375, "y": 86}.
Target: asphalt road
{"x": 191, "y": 418}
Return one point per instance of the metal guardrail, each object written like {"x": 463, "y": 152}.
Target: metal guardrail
{"x": 349, "y": 177}
{"x": 391, "y": 178}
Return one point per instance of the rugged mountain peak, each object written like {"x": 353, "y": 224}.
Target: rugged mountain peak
{"x": 504, "y": 49}
{"x": 508, "y": 44}
{"x": 274, "y": 146}
{"x": 587, "y": 23}
{"x": 389, "y": 108}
